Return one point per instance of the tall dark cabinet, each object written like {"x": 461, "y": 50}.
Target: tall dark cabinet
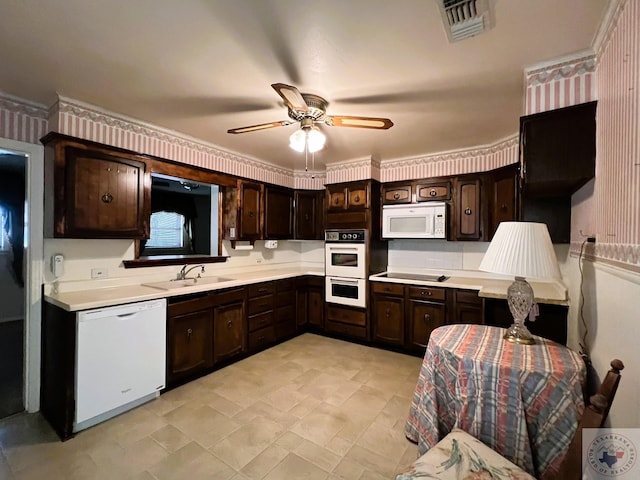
{"x": 558, "y": 153}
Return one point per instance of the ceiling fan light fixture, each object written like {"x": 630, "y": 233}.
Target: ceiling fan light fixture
{"x": 298, "y": 140}
{"x": 315, "y": 139}
{"x": 310, "y": 138}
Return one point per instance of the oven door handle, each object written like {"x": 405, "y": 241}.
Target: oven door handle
{"x": 343, "y": 248}
{"x": 343, "y": 280}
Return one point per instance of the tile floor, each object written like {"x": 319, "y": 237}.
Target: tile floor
{"x": 312, "y": 407}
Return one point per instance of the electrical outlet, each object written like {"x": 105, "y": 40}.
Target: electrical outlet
{"x": 98, "y": 273}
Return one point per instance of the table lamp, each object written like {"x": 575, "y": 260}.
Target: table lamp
{"x": 521, "y": 249}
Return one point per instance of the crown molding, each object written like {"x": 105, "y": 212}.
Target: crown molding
{"x": 19, "y": 105}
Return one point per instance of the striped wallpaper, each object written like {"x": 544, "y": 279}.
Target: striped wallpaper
{"x": 561, "y": 85}
{"x": 616, "y": 198}
{"x": 22, "y": 121}
{"x": 478, "y": 159}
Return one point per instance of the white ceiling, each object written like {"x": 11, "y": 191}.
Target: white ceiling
{"x": 201, "y": 67}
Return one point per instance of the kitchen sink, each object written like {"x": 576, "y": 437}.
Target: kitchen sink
{"x": 187, "y": 282}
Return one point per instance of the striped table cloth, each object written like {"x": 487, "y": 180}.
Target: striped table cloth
{"x": 524, "y": 401}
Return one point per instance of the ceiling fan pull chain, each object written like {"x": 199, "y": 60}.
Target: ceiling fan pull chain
{"x": 306, "y": 157}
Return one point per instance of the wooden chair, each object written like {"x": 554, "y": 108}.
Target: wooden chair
{"x": 460, "y": 453}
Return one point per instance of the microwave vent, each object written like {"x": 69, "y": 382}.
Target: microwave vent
{"x": 465, "y": 18}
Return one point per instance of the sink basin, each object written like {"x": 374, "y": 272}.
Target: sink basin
{"x": 188, "y": 282}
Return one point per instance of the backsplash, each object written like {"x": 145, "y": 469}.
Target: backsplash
{"x": 80, "y": 256}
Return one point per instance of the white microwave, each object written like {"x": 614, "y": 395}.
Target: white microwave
{"x": 416, "y": 220}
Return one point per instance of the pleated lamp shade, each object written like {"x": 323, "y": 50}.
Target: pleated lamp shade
{"x": 521, "y": 249}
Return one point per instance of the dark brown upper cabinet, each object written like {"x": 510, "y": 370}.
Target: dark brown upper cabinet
{"x": 469, "y": 208}
{"x": 278, "y": 216}
{"x": 309, "y": 214}
{"x": 94, "y": 191}
{"x": 242, "y": 211}
{"x": 503, "y": 201}
{"x": 557, "y": 151}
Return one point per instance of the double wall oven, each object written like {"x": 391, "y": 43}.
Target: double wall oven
{"x": 346, "y": 267}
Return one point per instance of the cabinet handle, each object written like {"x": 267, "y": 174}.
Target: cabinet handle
{"x": 426, "y": 292}
{"x": 467, "y": 211}
{"x": 336, "y": 201}
{"x": 251, "y": 214}
{"x": 396, "y": 196}
{"x": 229, "y": 324}
{"x": 432, "y": 193}
{"x": 107, "y": 198}
{"x": 503, "y": 207}
{"x": 306, "y": 217}
{"x": 189, "y": 333}
{"x": 357, "y": 198}
{"x": 427, "y": 318}
{"x": 388, "y": 314}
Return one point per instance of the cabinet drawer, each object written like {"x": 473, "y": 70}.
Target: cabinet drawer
{"x": 434, "y": 191}
{"x": 468, "y": 296}
{"x": 397, "y": 194}
{"x": 261, "y": 337}
{"x": 259, "y": 289}
{"x": 187, "y": 304}
{"x": 436, "y": 294}
{"x": 345, "y": 329}
{"x": 260, "y": 321}
{"x": 387, "y": 288}
{"x": 342, "y": 315}
{"x": 261, "y": 304}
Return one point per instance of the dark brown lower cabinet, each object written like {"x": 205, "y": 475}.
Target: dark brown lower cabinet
{"x": 346, "y": 321}
{"x": 285, "y": 315}
{"x": 310, "y": 302}
{"x": 261, "y": 305}
{"x": 424, "y": 314}
{"x": 387, "y": 315}
{"x": 189, "y": 338}
{"x": 551, "y": 323}
{"x": 229, "y": 339}
{"x": 467, "y": 307}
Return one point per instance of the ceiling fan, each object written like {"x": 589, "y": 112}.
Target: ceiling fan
{"x": 309, "y": 110}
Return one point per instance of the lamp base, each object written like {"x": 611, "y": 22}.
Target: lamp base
{"x": 518, "y": 333}
{"x": 520, "y": 300}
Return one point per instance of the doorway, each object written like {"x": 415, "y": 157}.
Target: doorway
{"x": 28, "y": 252}
{"x": 12, "y": 275}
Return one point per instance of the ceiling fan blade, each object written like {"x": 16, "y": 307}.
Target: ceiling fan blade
{"x": 262, "y": 126}
{"x": 358, "y": 122}
{"x": 291, "y": 96}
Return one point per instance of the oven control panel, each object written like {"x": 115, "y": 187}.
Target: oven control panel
{"x": 348, "y": 236}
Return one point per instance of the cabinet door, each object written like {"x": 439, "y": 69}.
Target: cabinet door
{"x": 358, "y": 197}
{"x": 423, "y": 318}
{"x": 429, "y": 191}
{"x": 315, "y": 298}
{"x": 190, "y": 344}
{"x": 104, "y": 196}
{"x": 388, "y": 319}
{"x": 250, "y": 208}
{"x": 278, "y": 216}
{"x": 336, "y": 197}
{"x": 503, "y": 201}
{"x": 468, "y": 213}
{"x": 308, "y": 215}
{"x": 228, "y": 331}
{"x": 468, "y": 307}
{"x": 394, "y": 193}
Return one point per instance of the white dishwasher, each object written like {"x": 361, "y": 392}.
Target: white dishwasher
{"x": 121, "y": 358}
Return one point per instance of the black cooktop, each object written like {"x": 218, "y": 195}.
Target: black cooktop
{"x": 415, "y": 276}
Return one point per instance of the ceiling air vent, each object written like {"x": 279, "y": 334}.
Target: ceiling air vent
{"x": 465, "y": 18}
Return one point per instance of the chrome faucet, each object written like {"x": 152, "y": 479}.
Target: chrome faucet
{"x": 182, "y": 274}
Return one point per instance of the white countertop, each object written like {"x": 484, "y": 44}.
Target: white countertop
{"x": 116, "y": 295}
{"x": 486, "y": 285}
